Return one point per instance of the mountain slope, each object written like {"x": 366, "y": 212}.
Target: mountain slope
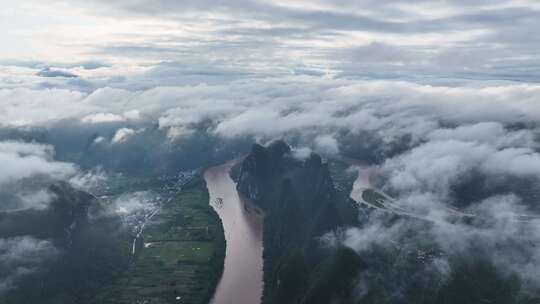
{"x": 300, "y": 204}
{"x": 89, "y": 245}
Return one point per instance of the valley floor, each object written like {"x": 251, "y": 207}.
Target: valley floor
{"x": 179, "y": 257}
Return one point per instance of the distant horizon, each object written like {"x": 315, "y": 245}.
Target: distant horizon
{"x": 150, "y": 43}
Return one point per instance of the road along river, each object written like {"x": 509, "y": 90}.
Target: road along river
{"x": 242, "y": 280}
{"x": 386, "y": 203}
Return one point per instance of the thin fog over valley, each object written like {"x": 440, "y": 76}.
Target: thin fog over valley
{"x": 260, "y": 152}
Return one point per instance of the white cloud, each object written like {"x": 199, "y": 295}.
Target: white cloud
{"x": 133, "y": 202}
{"x": 395, "y": 39}
{"x": 132, "y": 115}
{"x": 99, "y": 140}
{"x": 437, "y": 165}
{"x": 301, "y": 153}
{"x": 486, "y": 132}
{"x": 122, "y": 134}
{"x": 276, "y": 106}
{"x": 90, "y": 180}
{"x": 24, "y": 160}
{"x": 24, "y": 107}
{"x": 514, "y": 161}
{"x": 21, "y": 256}
{"x": 27, "y": 171}
{"x": 102, "y": 118}
{"x": 327, "y": 145}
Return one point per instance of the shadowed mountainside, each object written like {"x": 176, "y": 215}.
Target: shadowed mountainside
{"x": 300, "y": 204}
{"x": 89, "y": 244}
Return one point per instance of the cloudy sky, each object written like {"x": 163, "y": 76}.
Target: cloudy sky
{"x": 415, "y": 74}
{"x": 176, "y": 42}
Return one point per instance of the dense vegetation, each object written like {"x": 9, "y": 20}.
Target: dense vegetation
{"x": 301, "y": 204}
{"x": 92, "y": 249}
{"x": 181, "y": 254}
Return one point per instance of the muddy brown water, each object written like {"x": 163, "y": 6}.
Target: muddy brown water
{"x": 242, "y": 280}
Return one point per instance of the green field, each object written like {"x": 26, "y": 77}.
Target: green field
{"x": 180, "y": 255}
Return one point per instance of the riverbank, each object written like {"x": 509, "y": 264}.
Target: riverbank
{"x": 180, "y": 255}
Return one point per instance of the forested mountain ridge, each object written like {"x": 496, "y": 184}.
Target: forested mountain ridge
{"x": 82, "y": 247}
{"x": 300, "y": 204}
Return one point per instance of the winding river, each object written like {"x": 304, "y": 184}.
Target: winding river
{"x": 242, "y": 280}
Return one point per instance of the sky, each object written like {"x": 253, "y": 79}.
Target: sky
{"x": 428, "y": 41}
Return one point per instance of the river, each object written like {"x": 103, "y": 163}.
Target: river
{"x": 242, "y": 280}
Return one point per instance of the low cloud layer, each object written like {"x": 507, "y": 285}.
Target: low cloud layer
{"x": 25, "y": 160}
{"x": 274, "y": 107}
{"x": 21, "y": 256}
{"x": 28, "y": 171}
